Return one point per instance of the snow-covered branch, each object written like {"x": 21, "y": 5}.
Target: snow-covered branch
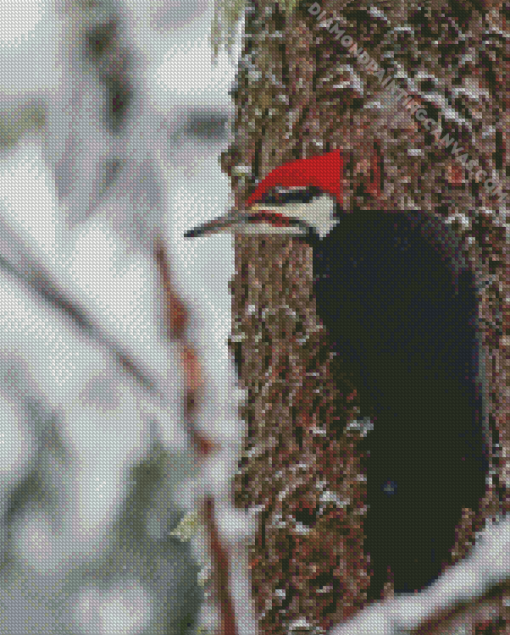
{"x": 479, "y": 575}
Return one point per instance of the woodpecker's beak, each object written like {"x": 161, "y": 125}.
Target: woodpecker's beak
{"x": 258, "y": 219}
{"x": 225, "y": 223}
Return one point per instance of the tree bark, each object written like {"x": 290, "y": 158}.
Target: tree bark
{"x": 301, "y": 92}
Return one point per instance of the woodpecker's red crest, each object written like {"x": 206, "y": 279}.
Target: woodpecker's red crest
{"x": 292, "y": 199}
{"x": 323, "y": 171}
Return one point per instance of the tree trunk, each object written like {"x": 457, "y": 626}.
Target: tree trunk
{"x": 300, "y": 92}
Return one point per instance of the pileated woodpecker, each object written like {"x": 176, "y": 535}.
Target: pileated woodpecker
{"x": 397, "y": 295}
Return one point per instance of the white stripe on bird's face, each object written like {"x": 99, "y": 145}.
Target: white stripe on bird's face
{"x": 293, "y": 217}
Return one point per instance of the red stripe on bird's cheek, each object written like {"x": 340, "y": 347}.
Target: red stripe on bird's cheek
{"x": 273, "y": 218}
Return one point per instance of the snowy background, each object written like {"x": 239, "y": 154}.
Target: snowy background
{"x": 96, "y": 464}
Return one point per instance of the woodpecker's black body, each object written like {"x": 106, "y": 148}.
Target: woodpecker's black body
{"x": 399, "y": 300}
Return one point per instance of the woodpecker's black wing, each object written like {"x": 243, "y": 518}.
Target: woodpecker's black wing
{"x": 396, "y": 293}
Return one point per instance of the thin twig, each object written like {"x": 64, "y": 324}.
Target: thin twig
{"x": 36, "y": 281}
{"x": 176, "y": 318}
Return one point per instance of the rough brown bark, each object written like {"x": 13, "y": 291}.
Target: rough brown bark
{"x": 297, "y": 97}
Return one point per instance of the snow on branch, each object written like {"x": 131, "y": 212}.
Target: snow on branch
{"x": 479, "y": 575}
